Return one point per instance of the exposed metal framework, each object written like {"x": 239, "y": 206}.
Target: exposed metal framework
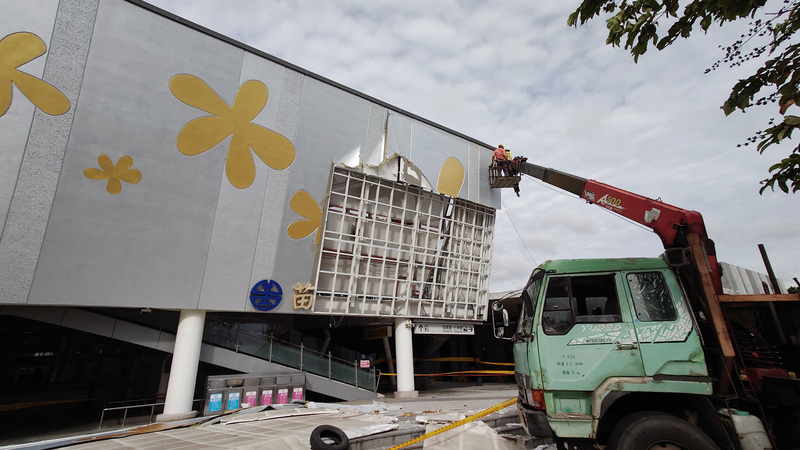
{"x": 393, "y": 249}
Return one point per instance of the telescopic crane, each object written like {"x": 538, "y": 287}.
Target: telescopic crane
{"x": 688, "y": 249}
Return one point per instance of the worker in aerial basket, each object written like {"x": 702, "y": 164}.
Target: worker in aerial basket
{"x": 500, "y": 160}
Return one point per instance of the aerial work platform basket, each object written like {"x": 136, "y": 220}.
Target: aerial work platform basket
{"x": 503, "y": 176}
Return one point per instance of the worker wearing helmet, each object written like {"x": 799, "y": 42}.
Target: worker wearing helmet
{"x": 500, "y": 160}
{"x": 500, "y": 154}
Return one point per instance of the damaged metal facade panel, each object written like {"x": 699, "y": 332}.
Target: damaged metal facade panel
{"x": 124, "y": 198}
{"x": 394, "y": 249}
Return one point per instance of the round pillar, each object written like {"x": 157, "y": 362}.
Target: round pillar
{"x": 183, "y": 372}
{"x": 404, "y": 348}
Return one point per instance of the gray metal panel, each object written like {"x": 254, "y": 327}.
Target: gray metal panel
{"x": 398, "y": 135}
{"x": 31, "y": 204}
{"x": 239, "y": 211}
{"x": 275, "y": 203}
{"x": 474, "y": 170}
{"x": 332, "y": 128}
{"x": 182, "y": 237}
{"x": 430, "y": 147}
{"x": 147, "y": 245}
{"x": 373, "y": 153}
{"x": 16, "y": 122}
{"x": 488, "y": 196}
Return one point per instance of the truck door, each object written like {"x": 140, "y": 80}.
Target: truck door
{"x": 586, "y": 335}
{"x": 664, "y": 327}
{"x": 526, "y": 361}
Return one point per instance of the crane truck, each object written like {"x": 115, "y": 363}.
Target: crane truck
{"x": 641, "y": 353}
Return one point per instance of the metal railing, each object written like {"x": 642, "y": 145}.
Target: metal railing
{"x": 125, "y": 408}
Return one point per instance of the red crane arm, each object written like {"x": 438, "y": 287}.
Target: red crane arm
{"x": 664, "y": 219}
{"x": 672, "y": 224}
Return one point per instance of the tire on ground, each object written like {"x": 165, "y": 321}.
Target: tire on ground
{"x": 328, "y": 437}
{"x": 645, "y": 429}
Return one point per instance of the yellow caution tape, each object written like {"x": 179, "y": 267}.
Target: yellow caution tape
{"x": 450, "y": 359}
{"x": 459, "y": 373}
{"x": 469, "y": 419}
{"x": 497, "y": 363}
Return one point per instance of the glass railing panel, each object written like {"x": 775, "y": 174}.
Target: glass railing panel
{"x": 252, "y": 341}
{"x": 365, "y": 379}
{"x": 315, "y": 363}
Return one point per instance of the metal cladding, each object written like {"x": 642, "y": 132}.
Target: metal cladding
{"x": 147, "y": 162}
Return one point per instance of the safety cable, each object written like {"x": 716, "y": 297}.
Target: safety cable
{"x": 518, "y": 235}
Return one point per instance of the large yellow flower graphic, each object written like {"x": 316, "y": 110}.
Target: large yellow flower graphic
{"x": 15, "y": 50}
{"x": 451, "y": 177}
{"x": 114, "y": 173}
{"x": 203, "y": 133}
{"x": 303, "y": 203}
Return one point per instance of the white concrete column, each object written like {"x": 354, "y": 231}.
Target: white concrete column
{"x": 183, "y": 372}
{"x": 405, "y": 358}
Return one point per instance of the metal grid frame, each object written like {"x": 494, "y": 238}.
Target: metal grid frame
{"x": 393, "y": 249}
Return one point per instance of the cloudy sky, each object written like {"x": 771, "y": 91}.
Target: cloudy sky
{"x": 512, "y": 72}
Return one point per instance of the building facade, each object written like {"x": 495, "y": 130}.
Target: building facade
{"x": 149, "y": 164}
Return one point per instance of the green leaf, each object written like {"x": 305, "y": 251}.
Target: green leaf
{"x": 705, "y": 23}
{"x": 782, "y": 185}
{"x": 791, "y": 120}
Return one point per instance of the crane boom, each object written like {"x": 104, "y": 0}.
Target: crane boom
{"x": 672, "y": 224}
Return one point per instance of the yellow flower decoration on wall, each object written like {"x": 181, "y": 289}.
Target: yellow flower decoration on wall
{"x": 15, "y": 50}
{"x": 203, "y": 133}
{"x": 114, "y": 173}
{"x": 451, "y": 177}
{"x": 302, "y": 203}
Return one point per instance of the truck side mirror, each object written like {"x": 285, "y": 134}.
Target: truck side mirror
{"x": 499, "y": 332}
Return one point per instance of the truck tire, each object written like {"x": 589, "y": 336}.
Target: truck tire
{"x": 656, "y": 430}
{"x": 328, "y": 437}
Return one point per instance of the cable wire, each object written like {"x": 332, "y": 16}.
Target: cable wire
{"x": 518, "y": 235}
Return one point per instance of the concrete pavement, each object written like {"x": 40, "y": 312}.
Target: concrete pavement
{"x": 370, "y": 424}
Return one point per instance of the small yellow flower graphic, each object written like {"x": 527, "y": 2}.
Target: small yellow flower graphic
{"x": 17, "y": 49}
{"x": 203, "y": 133}
{"x": 108, "y": 171}
{"x": 302, "y": 203}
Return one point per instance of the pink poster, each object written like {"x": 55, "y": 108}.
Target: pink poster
{"x": 250, "y": 398}
{"x": 297, "y": 393}
{"x": 266, "y": 397}
{"x": 283, "y": 396}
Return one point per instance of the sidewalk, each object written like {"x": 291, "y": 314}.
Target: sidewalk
{"x": 370, "y": 424}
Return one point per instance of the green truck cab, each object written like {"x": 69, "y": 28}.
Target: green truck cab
{"x": 597, "y": 340}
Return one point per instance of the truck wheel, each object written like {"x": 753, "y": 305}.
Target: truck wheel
{"x": 328, "y": 437}
{"x": 651, "y": 430}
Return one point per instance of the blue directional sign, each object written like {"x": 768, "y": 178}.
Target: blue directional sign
{"x": 266, "y": 295}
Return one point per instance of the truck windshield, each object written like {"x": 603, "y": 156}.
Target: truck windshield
{"x": 651, "y": 297}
